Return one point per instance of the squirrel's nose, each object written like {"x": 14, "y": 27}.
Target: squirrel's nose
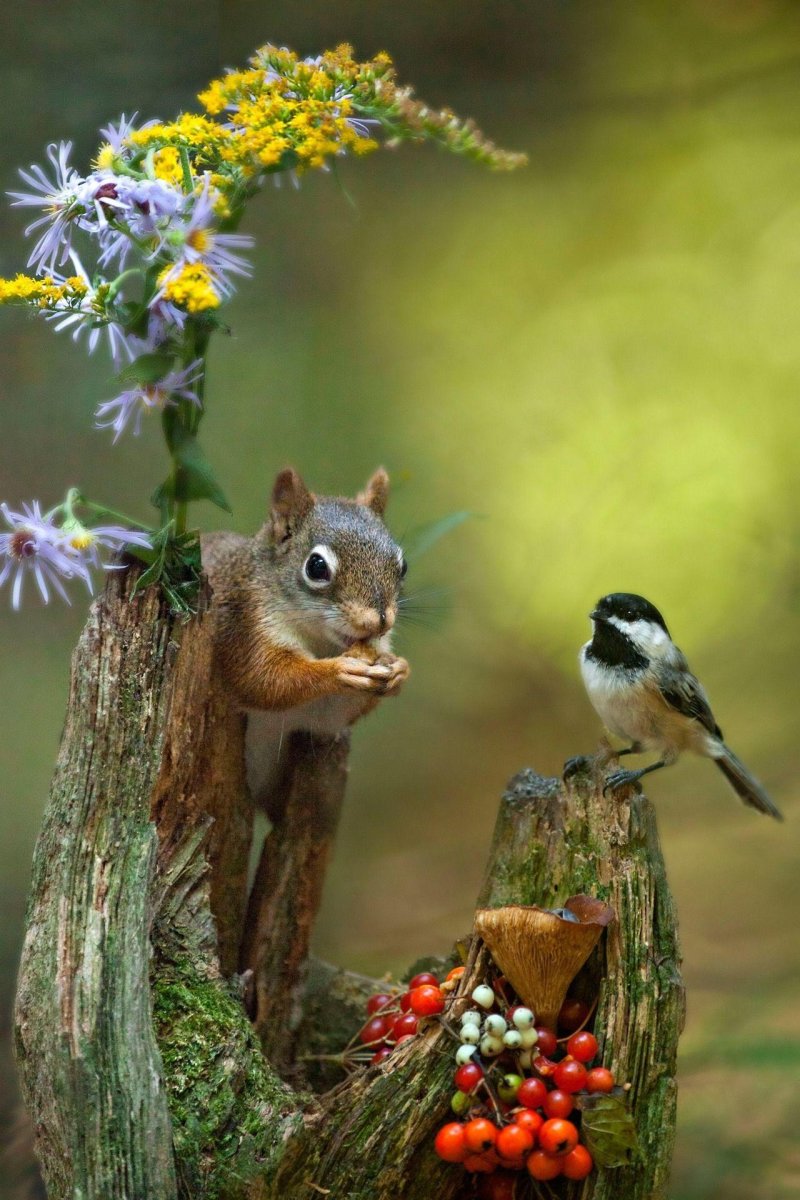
{"x": 373, "y": 621}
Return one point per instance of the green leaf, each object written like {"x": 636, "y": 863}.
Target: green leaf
{"x": 423, "y": 537}
{"x": 147, "y": 368}
{"x": 195, "y": 476}
{"x": 608, "y": 1129}
{"x": 176, "y": 567}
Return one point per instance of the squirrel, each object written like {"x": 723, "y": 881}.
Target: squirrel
{"x": 303, "y": 615}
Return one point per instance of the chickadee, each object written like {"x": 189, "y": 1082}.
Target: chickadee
{"x": 641, "y": 686}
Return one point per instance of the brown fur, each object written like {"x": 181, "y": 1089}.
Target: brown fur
{"x": 279, "y": 645}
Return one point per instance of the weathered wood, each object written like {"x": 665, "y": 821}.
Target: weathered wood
{"x": 202, "y": 780}
{"x": 90, "y": 1069}
{"x": 163, "y": 1091}
{"x": 287, "y": 891}
{"x": 553, "y": 840}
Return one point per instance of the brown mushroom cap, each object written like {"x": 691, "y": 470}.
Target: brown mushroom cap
{"x": 539, "y": 952}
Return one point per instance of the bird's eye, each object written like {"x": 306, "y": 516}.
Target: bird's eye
{"x": 317, "y": 570}
{"x": 403, "y": 567}
{"x": 630, "y": 615}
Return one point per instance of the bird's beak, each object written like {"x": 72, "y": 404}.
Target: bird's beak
{"x": 596, "y": 615}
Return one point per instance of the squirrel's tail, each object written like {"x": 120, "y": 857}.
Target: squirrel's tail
{"x": 746, "y": 786}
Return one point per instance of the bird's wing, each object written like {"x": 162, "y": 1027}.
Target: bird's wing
{"x": 684, "y": 692}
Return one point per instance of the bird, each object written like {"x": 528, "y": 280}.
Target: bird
{"x": 640, "y": 685}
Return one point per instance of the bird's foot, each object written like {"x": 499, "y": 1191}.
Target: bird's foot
{"x": 575, "y": 766}
{"x": 620, "y": 779}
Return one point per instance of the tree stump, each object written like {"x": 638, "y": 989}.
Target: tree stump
{"x": 140, "y": 1065}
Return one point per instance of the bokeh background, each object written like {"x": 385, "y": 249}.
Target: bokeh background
{"x": 598, "y": 356}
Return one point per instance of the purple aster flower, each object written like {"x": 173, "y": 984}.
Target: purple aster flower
{"x": 90, "y": 316}
{"x": 145, "y": 207}
{"x": 202, "y": 243}
{"x": 89, "y": 542}
{"x": 133, "y": 403}
{"x": 36, "y": 546}
{"x": 60, "y": 199}
{"x": 116, "y": 135}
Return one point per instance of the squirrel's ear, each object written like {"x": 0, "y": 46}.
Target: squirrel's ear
{"x": 376, "y": 494}
{"x": 291, "y": 502}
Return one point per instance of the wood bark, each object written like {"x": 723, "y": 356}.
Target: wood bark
{"x": 139, "y": 1062}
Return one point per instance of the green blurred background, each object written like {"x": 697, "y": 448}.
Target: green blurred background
{"x": 599, "y": 356}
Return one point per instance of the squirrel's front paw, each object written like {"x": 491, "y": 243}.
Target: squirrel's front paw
{"x": 400, "y": 671}
{"x": 363, "y": 675}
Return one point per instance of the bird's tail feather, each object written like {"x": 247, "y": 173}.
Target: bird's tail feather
{"x": 747, "y": 788}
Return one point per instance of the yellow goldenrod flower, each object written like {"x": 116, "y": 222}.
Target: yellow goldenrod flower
{"x": 167, "y": 165}
{"x": 191, "y": 287}
{"x": 44, "y": 292}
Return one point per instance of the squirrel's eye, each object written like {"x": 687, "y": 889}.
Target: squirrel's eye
{"x": 316, "y": 569}
{"x": 403, "y": 567}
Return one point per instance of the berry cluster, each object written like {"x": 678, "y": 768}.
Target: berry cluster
{"x": 517, "y": 1095}
{"x": 394, "y": 1016}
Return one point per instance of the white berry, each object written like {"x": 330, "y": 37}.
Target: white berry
{"x": 523, "y": 1018}
{"x": 512, "y": 1039}
{"x": 464, "y": 1054}
{"x": 470, "y": 1033}
{"x": 483, "y": 995}
{"x": 528, "y": 1038}
{"x": 491, "y": 1046}
{"x": 471, "y": 1017}
{"x": 495, "y": 1025}
{"x": 525, "y": 1059}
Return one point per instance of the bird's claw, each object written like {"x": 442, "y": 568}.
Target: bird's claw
{"x": 575, "y": 766}
{"x": 619, "y": 779}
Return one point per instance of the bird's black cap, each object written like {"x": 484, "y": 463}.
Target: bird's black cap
{"x": 627, "y": 606}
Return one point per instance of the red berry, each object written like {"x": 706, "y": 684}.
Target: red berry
{"x": 500, "y": 1185}
{"x": 513, "y": 1141}
{"x": 375, "y": 1030}
{"x": 422, "y": 979}
{"x": 456, "y": 973}
{"x": 558, "y": 1103}
{"x": 557, "y": 1137}
{"x": 407, "y": 1037}
{"x": 450, "y": 1142}
{"x": 543, "y": 1166}
{"x": 405, "y": 1002}
{"x": 582, "y": 1046}
{"x": 427, "y": 1000}
{"x": 531, "y": 1093}
{"x": 381, "y": 1055}
{"x": 547, "y": 1044}
{"x": 599, "y": 1079}
{"x": 573, "y": 1014}
{"x": 529, "y": 1120}
{"x": 480, "y": 1135}
{"x": 379, "y": 1001}
{"x": 569, "y": 1075}
{"x": 481, "y": 1162}
{"x": 468, "y": 1077}
{"x": 577, "y": 1164}
{"x": 544, "y": 1066}
{"x": 405, "y": 1023}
